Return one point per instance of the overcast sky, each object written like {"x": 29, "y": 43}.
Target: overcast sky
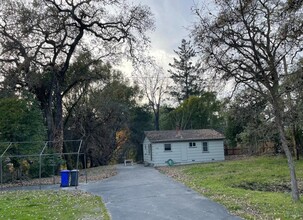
{"x": 172, "y": 20}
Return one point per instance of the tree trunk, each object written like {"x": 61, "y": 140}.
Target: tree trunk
{"x": 157, "y": 126}
{"x": 55, "y": 104}
{"x": 54, "y": 124}
{"x": 58, "y": 124}
{"x": 49, "y": 121}
{"x": 278, "y": 120}
{"x": 157, "y": 117}
{"x": 291, "y": 165}
{"x": 50, "y": 98}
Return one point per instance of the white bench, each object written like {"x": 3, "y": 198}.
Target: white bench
{"x": 128, "y": 161}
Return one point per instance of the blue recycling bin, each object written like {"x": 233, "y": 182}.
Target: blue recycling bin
{"x": 64, "y": 178}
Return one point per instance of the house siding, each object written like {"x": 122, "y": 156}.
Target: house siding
{"x": 161, "y": 156}
{"x": 182, "y": 153}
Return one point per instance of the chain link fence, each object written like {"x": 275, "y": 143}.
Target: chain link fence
{"x": 38, "y": 163}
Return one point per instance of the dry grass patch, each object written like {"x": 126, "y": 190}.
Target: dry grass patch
{"x": 253, "y": 188}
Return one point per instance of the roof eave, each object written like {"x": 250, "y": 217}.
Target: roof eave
{"x": 185, "y": 140}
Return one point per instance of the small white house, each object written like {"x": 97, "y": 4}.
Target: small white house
{"x": 182, "y": 146}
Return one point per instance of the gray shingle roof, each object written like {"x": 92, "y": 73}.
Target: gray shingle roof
{"x": 183, "y": 135}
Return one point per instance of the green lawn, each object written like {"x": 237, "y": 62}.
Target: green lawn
{"x": 253, "y": 188}
{"x": 51, "y": 205}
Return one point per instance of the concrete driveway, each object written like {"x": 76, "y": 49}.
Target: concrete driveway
{"x": 143, "y": 193}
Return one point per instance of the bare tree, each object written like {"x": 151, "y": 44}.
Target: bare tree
{"x": 247, "y": 41}
{"x": 153, "y": 82}
{"x": 38, "y": 41}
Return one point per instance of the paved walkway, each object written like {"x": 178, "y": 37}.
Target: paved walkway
{"x": 138, "y": 193}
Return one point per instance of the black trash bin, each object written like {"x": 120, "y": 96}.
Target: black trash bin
{"x": 64, "y": 178}
{"x": 74, "y": 181}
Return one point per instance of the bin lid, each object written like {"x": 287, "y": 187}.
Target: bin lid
{"x": 74, "y": 171}
{"x": 64, "y": 171}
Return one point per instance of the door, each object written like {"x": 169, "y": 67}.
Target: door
{"x": 184, "y": 153}
{"x": 150, "y": 150}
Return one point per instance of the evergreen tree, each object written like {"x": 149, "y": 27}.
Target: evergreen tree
{"x": 185, "y": 74}
{"x": 20, "y": 120}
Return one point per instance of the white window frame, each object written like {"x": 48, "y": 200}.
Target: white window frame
{"x": 192, "y": 144}
{"x": 205, "y": 144}
{"x": 165, "y": 146}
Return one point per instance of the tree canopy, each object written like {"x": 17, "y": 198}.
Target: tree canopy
{"x": 20, "y": 121}
{"x": 39, "y": 41}
{"x": 196, "y": 113}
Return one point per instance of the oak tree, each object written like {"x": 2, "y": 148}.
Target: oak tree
{"x": 247, "y": 41}
{"x": 39, "y": 39}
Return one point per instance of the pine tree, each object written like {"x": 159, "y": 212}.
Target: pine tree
{"x": 185, "y": 74}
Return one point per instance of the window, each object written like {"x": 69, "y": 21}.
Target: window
{"x": 192, "y": 144}
{"x": 167, "y": 147}
{"x": 204, "y": 147}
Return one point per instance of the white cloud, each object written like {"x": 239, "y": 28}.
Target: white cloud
{"x": 162, "y": 57}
